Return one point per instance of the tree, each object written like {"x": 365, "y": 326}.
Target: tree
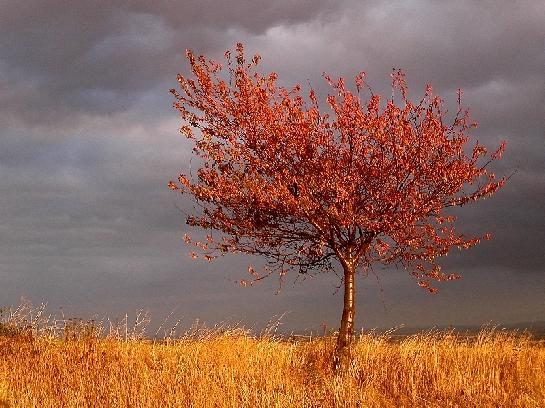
{"x": 313, "y": 192}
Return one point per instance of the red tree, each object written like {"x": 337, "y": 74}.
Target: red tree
{"x": 312, "y": 191}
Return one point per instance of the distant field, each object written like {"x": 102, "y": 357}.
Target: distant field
{"x": 233, "y": 369}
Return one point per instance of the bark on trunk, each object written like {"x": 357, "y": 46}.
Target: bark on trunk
{"x": 346, "y": 332}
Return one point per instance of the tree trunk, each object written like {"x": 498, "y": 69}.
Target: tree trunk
{"x": 346, "y": 332}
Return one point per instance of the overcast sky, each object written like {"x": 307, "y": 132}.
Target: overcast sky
{"x": 89, "y": 141}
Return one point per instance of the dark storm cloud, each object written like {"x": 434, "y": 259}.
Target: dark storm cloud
{"x": 59, "y": 57}
{"x": 88, "y": 141}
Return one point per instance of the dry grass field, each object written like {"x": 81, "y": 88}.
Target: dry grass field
{"x": 231, "y": 368}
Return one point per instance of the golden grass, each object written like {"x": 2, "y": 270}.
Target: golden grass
{"x": 234, "y": 369}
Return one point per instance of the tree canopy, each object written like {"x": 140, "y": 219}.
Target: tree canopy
{"x": 359, "y": 184}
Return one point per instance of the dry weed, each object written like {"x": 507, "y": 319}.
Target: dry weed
{"x": 228, "y": 367}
